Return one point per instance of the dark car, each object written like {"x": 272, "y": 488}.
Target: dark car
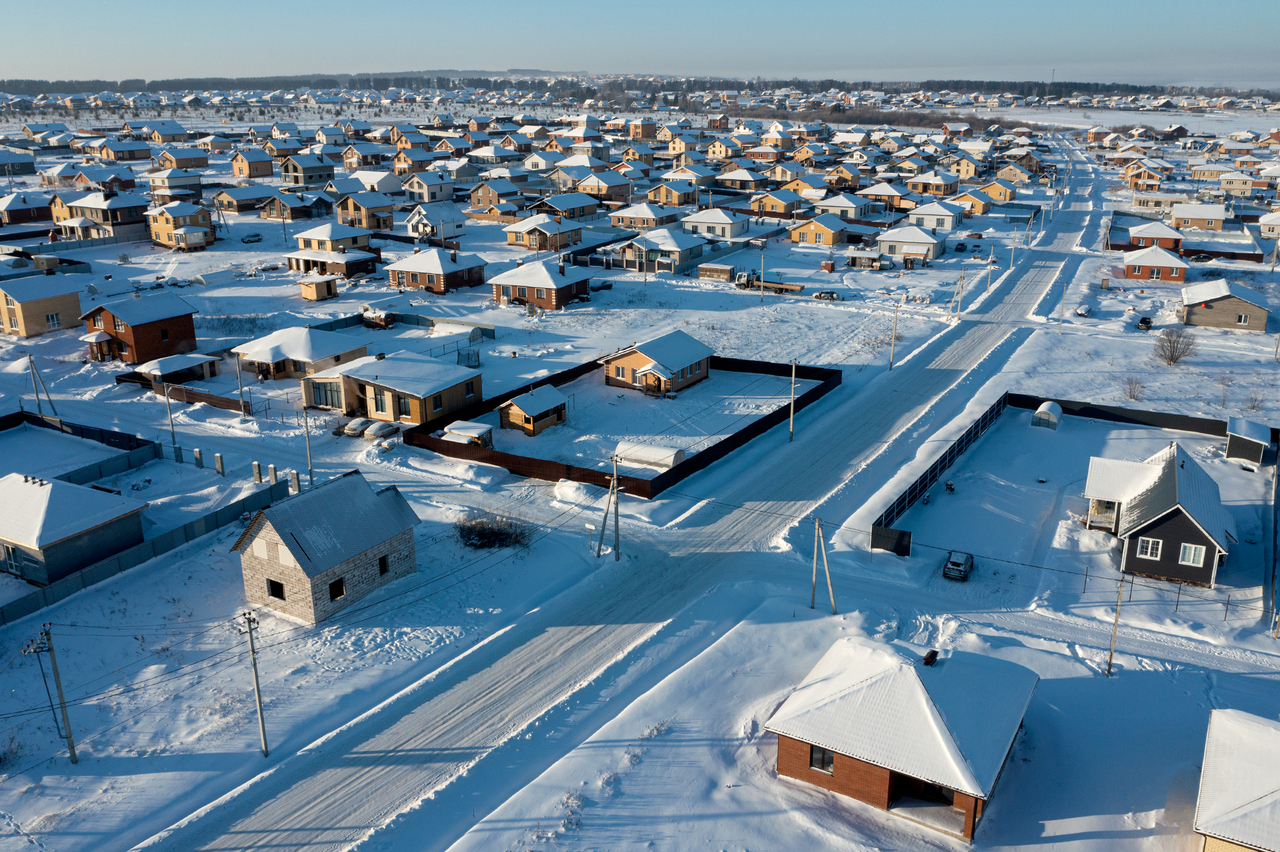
{"x": 962, "y": 247}
{"x": 1200, "y": 258}
{"x": 1144, "y": 324}
{"x": 957, "y": 566}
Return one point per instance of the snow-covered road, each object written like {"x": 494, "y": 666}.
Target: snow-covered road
{"x": 376, "y": 778}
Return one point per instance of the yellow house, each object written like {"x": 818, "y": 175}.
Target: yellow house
{"x": 39, "y": 304}
{"x": 181, "y": 225}
{"x": 401, "y": 387}
{"x": 825, "y": 230}
{"x": 662, "y": 365}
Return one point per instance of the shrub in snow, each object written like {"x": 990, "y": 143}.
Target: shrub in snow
{"x": 1174, "y": 344}
{"x": 488, "y": 531}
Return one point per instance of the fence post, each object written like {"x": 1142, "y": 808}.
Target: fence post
{"x": 1227, "y": 609}
{"x": 257, "y": 472}
{"x": 295, "y": 481}
{"x": 272, "y": 475}
{"x": 217, "y": 464}
{"x": 199, "y": 457}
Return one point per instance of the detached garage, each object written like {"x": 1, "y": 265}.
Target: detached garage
{"x": 1221, "y": 304}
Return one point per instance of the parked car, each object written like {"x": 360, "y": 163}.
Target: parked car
{"x": 957, "y": 566}
{"x": 1200, "y": 258}
{"x": 962, "y": 247}
{"x": 1144, "y": 324}
{"x": 828, "y": 296}
{"x": 357, "y": 427}
{"x": 381, "y": 429}
{"x": 1083, "y": 311}
{"x": 973, "y": 236}
{"x": 251, "y": 238}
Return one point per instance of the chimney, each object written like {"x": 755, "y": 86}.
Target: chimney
{"x": 562, "y": 268}
{"x": 453, "y": 257}
{"x": 931, "y": 657}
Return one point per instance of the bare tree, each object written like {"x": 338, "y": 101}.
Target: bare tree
{"x": 1254, "y": 401}
{"x": 1174, "y": 344}
{"x": 1133, "y": 387}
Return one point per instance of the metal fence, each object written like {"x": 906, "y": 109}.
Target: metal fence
{"x": 134, "y": 556}
{"x": 118, "y": 440}
{"x": 111, "y": 467}
{"x": 930, "y": 477}
{"x": 552, "y": 471}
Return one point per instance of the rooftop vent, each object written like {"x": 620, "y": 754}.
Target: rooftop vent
{"x": 931, "y": 657}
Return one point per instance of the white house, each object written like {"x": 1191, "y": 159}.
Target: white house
{"x": 939, "y": 216}
{"x": 441, "y": 220}
{"x": 715, "y": 222}
{"x": 910, "y": 241}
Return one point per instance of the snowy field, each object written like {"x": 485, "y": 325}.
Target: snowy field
{"x": 600, "y": 416}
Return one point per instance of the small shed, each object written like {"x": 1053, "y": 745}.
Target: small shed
{"x": 469, "y": 432}
{"x": 648, "y": 455}
{"x": 535, "y": 411}
{"x": 716, "y": 271}
{"x": 1247, "y": 440}
{"x": 317, "y": 288}
{"x": 860, "y": 259}
{"x": 1047, "y": 415}
{"x": 179, "y": 369}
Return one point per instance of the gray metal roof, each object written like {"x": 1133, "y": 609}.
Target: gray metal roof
{"x": 337, "y": 520}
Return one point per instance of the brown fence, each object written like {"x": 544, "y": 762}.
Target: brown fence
{"x": 500, "y": 218}
{"x": 420, "y": 436}
{"x": 183, "y": 393}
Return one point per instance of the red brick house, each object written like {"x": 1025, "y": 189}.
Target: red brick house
{"x": 922, "y": 735}
{"x": 1154, "y": 264}
{"x": 140, "y": 329}
{"x": 543, "y": 284}
{"x": 1156, "y": 234}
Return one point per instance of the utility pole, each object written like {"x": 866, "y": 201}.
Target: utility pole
{"x": 251, "y": 623}
{"x": 57, "y": 682}
{"x": 893, "y": 336}
{"x": 240, "y": 387}
{"x": 617, "y": 541}
{"x": 31, "y": 368}
{"x": 959, "y": 295}
{"x": 1115, "y": 628}
{"x": 168, "y": 407}
{"x": 764, "y": 242}
{"x": 820, "y": 542}
{"x": 792, "y": 420}
{"x": 306, "y": 431}
{"x": 1062, "y": 306}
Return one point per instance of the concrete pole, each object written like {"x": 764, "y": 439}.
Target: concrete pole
{"x": 57, "y": 682}
{"x": 617, "y": 542}
{"x": 306, "y": 430}
{"x": 252, "y": 622}
{"x": 168, "y": 407}
{"x": 31, "y": 367}
{"x": 791, "y": 425}
{"x": 893, "y": 336}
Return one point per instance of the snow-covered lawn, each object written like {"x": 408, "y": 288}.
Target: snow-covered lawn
{"x": 600, "y": 416}
{"x": 42, "y": 452}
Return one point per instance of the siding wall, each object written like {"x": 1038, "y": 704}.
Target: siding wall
{"x": 1222, "y": 313}
{"x": 1174, "y": 530}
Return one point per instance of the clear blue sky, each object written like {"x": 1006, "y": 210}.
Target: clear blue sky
{"x": 1187, "y": 42}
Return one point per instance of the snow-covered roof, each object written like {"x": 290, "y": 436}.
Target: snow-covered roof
{"x": 38, "y": 513}
{"x": 1154, "y": 256}
{"x": 715, "y": 216}
{"x": 1207, "y": 291}
{"x": 139, "y": 310}
{"x": 407, "y": 372}
{"x": 34, "y": 288}
{"x": 1157, "y": 230}
{"x": 1239, "y": 799}
{"x": 436, "y": 261}
{"x": 99, "y": 201}
{"x": 672, "y": 351}
{"x": 938, "y": 208}
{"x": 335, "y": 521}
{"x": 1150, "y": 488}
{"x": 170, "y": 363}
{"x": 1199, "y": 211}
{"x": 541, "y": 222}
{"x": 667, "y": 239}
{"x": 881, "y": 704}
{"x": 297, "y": 344}
{"x": 468, "y": 428}
{"x": 538, "y": 400}
{"x": 643, "y": 211}
{"x": 830, "y": 221}
{"x": 330, "y": 231}
{"x": 541, "y": 274}
{"x": 908, "y": 234}
{"x": 1249, "y": 430}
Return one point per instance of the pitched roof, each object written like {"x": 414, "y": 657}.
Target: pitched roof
{"x": 38, "y": 513}
{"x": 1208, "y": 291}
{"x": 1248, "y": 430}
{"x": 1158, "y": 230}
{"x": 879, "y": 703}
{"x": 406, "y": 372}
{"x": 36, "y": 287}
{"x": 139, "y": 310}
{"x": 1239, "y": 799}
{"x": 436, "y": 261}
{"x": 1154, "y": 256}
{"x": 331, "y": 231}
{"x": 543, "y": 274}
{"x": 297, "y": 344}
{"x": 672, "y": 351}
{"x": 335, "y": 521}
{"x": 538, "y": 400}
{"x": 908, "y": 234}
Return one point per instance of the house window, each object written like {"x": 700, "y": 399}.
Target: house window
{"x": 620, "y": 373}
{"x": 817, "y": 238}
{"x": 469, "y": 389}
{"x": 164, "y": 334}
{"x": 540, "y": 293}
{"x": 402, "y": 406}
{"x": 1241, "y": 319}
{"x": 337, "y": 589}
{"x": 379, "y": 400}
{"x": 1149, "y": 548}
{"x": 1208, "y": 223}
{"x": 1191, "y": 554}
{"x": 326, "y": 394}
{"x": 822, "y": 760}
{"x": 53, "y": 321}
{"x": 522, "y": 292}
{"x": 437, "y": 402}
{"x": 275, "y": 589}
{"x": 124, "y": 348}
{"x": 383, "y": 567}
{"x": 118, "y": 324}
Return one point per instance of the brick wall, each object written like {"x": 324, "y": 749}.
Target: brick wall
{"x": 308, "y": 598}
{"x": 849, "y": 777}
